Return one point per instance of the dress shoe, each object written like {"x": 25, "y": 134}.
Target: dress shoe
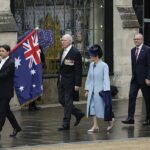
{"x": 111, "y": 124}
{"x": 63, "y": 128}
{"x": 34, "y": 108}
{"x": 78, "y": 119}
{"x": 94, "y": 129}
{"x": 146, "y": 123}
{"x": 15, "y": 132}
{"x": 128, "y": 121}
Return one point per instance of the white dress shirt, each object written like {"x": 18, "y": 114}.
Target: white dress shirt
{"x": 65, "y": 52}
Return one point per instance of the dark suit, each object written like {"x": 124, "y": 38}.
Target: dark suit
{"x": 140, "y": 72}
{"x": 6, "y": 93}
{"x": 70, "y": 75}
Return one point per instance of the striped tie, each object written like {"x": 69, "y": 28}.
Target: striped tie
{"x": 137, "y": 53}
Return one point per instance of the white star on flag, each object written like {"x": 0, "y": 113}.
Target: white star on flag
{"x": 21, "y": 88}
{"x": 17, "y": 62}
{"x": 34, "y": 85}
{"x": 33, "y": 72}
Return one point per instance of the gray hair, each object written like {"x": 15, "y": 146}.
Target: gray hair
{"x": 69, "y": 37}
{"x": 138, "y": 34}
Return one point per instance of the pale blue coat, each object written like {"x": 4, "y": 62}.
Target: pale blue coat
{"x": 97, "y": 80}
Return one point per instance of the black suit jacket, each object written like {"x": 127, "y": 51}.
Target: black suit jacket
{"x": 141, "y": 67}
{"x": 6, "y": 79}
{"x": 71, "y": 68}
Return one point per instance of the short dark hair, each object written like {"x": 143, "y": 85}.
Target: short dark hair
{"x": 6, "y": 47}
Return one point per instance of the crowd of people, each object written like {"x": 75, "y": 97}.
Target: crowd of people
{"x": 97, "y": 85}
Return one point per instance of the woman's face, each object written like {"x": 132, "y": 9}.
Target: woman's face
{"x": 93, "y": 58}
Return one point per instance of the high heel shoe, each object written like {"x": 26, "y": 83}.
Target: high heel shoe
{"x": 111, "y": 124}
{"x": 94, "y": 129}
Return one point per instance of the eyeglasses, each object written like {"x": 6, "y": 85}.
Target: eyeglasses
{"x": 136, "y": 39}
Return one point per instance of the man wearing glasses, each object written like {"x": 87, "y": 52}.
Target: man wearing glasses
{"x": 140, "y": 59}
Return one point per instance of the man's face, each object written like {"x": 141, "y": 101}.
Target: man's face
{"x": 3, "y": 52}
{"x": 138, "y": 40}
{"x": 65, "y": 42}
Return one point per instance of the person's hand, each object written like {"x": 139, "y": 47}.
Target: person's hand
{"x": 86, "y": 93}
{"x": 76, "y": 88}
{"x": 147, "y": 82}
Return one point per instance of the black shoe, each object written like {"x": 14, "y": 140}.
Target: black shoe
{"x": 15, "y": 132}
{"x": 146, "y": 123}
{"x": 78, "y": 119}
{"x": 128, "y": 121}
{"x": 33, "y": 108}
{"x": 63, "y": 128}
{"x": 37, "y": 108}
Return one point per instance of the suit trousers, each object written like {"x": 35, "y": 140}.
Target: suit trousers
{"x": 6, "y": 112}
{"x": 134, "y": 88}
{"x": 66, "y": 100}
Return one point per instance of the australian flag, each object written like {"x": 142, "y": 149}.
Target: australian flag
{"x": 28, "y": 68}
{"x": 45, "y": 38}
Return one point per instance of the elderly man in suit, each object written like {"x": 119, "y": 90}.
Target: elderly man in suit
{"x": 140, "y": 58}
{"x": 7, "y": 69}
{"x": 70, "y": 78}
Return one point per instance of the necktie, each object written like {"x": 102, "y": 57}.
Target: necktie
{"x": 137, "y": 53}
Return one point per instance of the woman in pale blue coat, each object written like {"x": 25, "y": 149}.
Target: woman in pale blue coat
{"x": 97, "y": 80}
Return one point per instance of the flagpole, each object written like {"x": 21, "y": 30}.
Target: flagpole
{"x": 32, "y": 32}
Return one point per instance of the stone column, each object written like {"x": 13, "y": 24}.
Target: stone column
{"x": 8, "y": 28}
{"x": 125, "y": 26}
{"x": 8, "y": 32}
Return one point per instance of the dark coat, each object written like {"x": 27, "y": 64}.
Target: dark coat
{"x": 70, "y": 71}
{"x": 6, "y": 79}
{"x": 71, "y": 68}
{"x": 141, "y": 67}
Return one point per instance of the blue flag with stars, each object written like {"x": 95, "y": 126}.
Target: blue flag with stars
{"x": 45, "y": 38}
{"x": 28, "y": 68}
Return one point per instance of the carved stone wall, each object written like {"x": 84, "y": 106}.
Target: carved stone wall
{"x": 125, "y": 26}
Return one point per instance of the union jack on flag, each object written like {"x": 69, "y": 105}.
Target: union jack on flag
{"x": 45, "y": 38}
{"x": 28, "y": 69}
{"x": 32, "y": 50}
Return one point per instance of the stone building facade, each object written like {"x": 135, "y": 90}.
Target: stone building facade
{"x": 124, "y": 26}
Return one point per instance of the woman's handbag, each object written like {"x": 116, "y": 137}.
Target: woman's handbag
{"x": 106, "y": 96}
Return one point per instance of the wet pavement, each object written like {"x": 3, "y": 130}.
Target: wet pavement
{"x": 40, "y": 127}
